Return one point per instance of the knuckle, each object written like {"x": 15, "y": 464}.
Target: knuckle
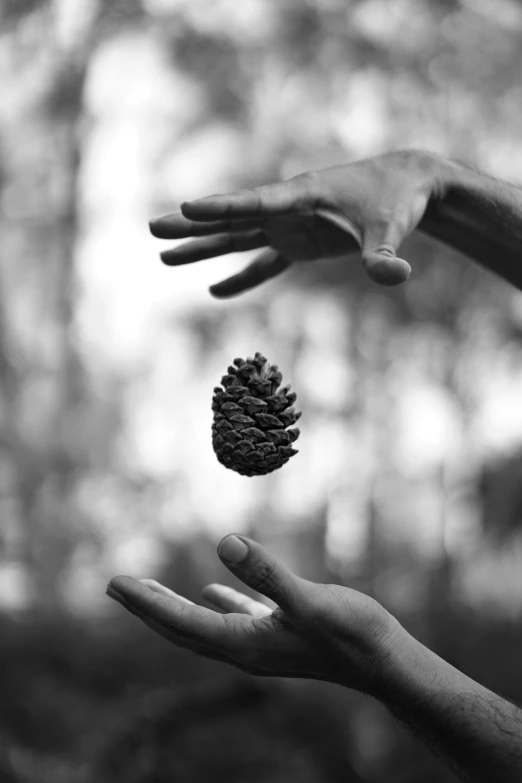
{"x": 308, "y": 178}
{"x": 257, "y": 200}
{"x": 264, "y": 577}
{"x": 311, "y": 186}
{"x": 384, "y": 249}
{"x": 314, "y": 186}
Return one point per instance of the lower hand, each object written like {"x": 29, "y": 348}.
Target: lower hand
{"x": 317, "y": 631}
{"x": 371, "y": 205}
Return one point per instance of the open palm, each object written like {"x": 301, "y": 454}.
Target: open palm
{"x": 242, "y": 632}
{"x": 325, "y": 632}
{"x": 369, "y": 206}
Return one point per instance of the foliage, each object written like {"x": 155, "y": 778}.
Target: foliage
{"x": 408, "y": 475}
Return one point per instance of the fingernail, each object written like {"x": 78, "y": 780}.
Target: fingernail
{"x": 233, "y": 550}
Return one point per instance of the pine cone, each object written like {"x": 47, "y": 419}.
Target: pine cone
{"x": 251, "y": 415}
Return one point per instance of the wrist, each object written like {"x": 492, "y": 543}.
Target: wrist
{"x": 410, "y": 673}
{"x": 452, "y": 190}
{"x": 473, "y": 730}
{"x": 439, "y": 175}
{"x": 380, "y": 673}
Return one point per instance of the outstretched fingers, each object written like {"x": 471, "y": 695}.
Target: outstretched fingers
{"x": 266, "y": 266}
{"x": 177, "y": 226}
{"x": 189, "y": 623}
{"x": 212, "y": 246}
{"x": 279, "y": 198}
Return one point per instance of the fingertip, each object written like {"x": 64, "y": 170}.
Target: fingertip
{"x": 167, "y": 258}
{"x": 386, "y": 271}
{"x": 118, "y": 588}
{"x": 155, "y": 227}
{"x": 211, "y": 592}
{"x": 226, "y": 290}
{"x": 232, "y": 549}
{"x": 209, "y": 587}
{"x": 119, "y": 581}
{"x": 203, "y": 209}
{"x": 220, "y": 293}
{"x": 191, "y": 208}
{"x": 185, "y": 208}
{"x": 216, "y": 291}
{"x": 150, "y": 583}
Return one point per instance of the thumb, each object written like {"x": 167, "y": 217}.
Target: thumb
{"x": 384, "y": 233}
{"x": 257, "y": 568}
{"x": 379, "y": 258}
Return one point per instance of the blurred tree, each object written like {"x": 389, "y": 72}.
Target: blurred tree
{"x": 500, "y": 492}
{"x": 280, "y": 88}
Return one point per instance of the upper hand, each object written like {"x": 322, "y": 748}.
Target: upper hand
{"x": 317, "y": 631}
{"x": 371, "y": 205}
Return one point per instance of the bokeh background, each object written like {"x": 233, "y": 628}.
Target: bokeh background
{"x": 408, "y": 483}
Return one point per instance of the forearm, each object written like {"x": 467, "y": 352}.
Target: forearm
{"x": 479, "y": 216}
{"x": 471, "y": 729}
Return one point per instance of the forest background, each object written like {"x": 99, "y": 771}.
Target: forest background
{"x": 408, "y": 484}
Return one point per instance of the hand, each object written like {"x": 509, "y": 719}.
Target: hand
{"x": 371, "y": 204}
{"x": 317, "y": 631}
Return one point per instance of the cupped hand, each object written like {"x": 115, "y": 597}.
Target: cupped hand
{"x": 370, "y": 205}
{"x": 317, "y": 631}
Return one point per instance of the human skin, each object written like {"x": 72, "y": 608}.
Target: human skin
{"x": 339, "y": 635}
{"x": 330, "y": 632}
{"x": 369, "y": 206}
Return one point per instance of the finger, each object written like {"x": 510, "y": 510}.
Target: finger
{"x": 210, "y": 247}
{"x": 379, "y": 257}
{"x": 267, "y": 265}
{"x": 161, "y": 630}
{"x": 259, "y": 569}
{"x": 276, "y": 199}
{"x": 192, "y": 623}
{"x": 176, "y": 226}
{"x": 230, "y": 600}
{"x": 157, "y": 587}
